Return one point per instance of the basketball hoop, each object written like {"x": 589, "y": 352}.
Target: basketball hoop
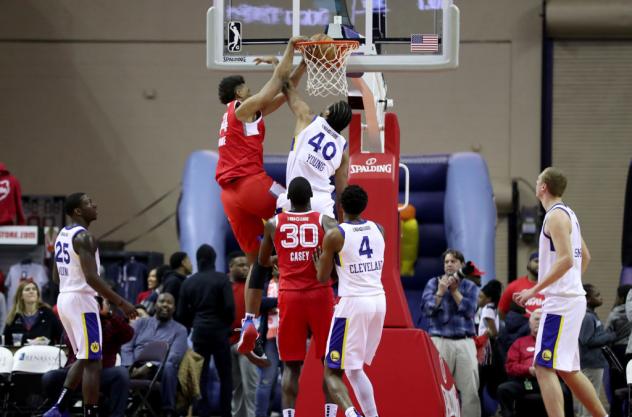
{"x": 326, "y": 62}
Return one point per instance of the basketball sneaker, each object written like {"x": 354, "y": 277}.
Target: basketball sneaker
{"x": 258, "y": 355}
{"x": 56, "y": 412}
{"x": 248, "y": 337}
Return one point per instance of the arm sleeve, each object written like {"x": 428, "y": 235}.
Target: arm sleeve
{"x": 268, "y": 303}
{"x": 178, "y": 346}
{"x": 468, "y": 304}
{"x": 428, "y": 306}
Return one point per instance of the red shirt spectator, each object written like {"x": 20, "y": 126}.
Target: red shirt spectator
{"x": 520, "y": 357}
{"x": 10, "y": 199}
{"x": 522, "y": 283}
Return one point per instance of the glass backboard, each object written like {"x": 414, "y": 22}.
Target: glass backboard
{"x": 395, "y": 35}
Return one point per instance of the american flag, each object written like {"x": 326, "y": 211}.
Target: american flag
{"x": 424, "y": 43}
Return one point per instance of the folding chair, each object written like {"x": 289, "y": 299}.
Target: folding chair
{"x": 141, "y": 389}
{"x": 25, "y": 388}
{"x": 6, "y": 366}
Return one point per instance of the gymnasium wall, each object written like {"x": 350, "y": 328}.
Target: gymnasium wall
{"x": 110, "y": 96}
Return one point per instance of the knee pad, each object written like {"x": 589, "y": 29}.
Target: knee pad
{"x": 259, "y": 275}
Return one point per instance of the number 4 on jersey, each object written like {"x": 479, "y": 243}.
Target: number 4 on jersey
{"x": 329, "y": 150}
{"x": 365, "y": 249}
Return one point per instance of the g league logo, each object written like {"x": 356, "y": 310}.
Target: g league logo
{"x": 234, "y": 36}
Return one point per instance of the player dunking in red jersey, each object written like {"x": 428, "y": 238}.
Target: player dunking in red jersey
{"x": 305, "y": 305}
{"x": 248, "y": 193}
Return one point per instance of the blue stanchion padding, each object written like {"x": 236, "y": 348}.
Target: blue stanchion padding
{"x": 201, "y": 213}
{"x": 470, "y": 212}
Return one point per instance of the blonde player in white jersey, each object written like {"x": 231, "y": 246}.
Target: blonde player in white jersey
{"x": 564, "y": 257}
{"x": 76, "y": 271}
{"x": 356, "y": 246}
{"x": 318, "y": 151}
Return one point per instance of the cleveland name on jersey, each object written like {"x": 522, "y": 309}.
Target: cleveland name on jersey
{"x": 359, "y": 264}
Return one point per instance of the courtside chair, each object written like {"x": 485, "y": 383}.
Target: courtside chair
{"x": 25, "y": 387}
{"x": 141, "y": 389}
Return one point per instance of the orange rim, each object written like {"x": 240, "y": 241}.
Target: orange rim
{"x": 338, "y": 43}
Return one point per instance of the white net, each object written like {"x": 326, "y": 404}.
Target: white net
{"x": 326, "y": 63}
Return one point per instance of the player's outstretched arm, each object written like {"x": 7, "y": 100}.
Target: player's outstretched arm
{"x": 298, "y": 106}
{"x": 341, "y": 180}
{"x": 281, "y": 74}
{"x": 332, "y": 244}
{"x": 267, "y": 244}
{"x": 86, "y": 247}
{"x": 279, "y": 99}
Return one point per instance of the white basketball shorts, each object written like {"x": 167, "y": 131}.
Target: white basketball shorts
{"x": 79, "y": 313}
{"x": 355, "y": 331}
{"x": 320, "y": 202}
{"x": 557, "y": 343}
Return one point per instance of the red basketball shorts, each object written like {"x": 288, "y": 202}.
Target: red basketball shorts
{"x": 248, "y": 202}
{"x": 302, "y": 313}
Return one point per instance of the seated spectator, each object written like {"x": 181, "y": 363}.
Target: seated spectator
{"x": 619, "y": 324}
{"x": 592, "y": 337}
{"x": 516, "y": 326}
{"x": 114, "y": 379}
{"x": 180, "y": 268}
{"x": 522, "y": 283}
{"x": 161, "y": 327}
{"x": 30, "y": 319}
{"x": 449, "y": 304}
{"x": 155, "y": 286}
{"x": 521, "y": 374}
{"x": 520, "y": 370}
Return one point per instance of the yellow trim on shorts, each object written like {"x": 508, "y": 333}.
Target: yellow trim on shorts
{"x": 557, "y": 340}
{"x": 85, "y": 334}
{"x": 344, "y": 343}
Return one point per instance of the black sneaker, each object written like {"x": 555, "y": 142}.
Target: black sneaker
{"x": 258, "y": 355}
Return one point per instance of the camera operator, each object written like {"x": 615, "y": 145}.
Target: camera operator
{"x": 449, "y": 303}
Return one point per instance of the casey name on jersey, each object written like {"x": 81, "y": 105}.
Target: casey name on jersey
{"x": 361, "y": 267}
{"x": 299, "y": 256}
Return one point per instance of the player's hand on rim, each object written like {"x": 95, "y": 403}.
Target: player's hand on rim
{"x": 270, "y": 59}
